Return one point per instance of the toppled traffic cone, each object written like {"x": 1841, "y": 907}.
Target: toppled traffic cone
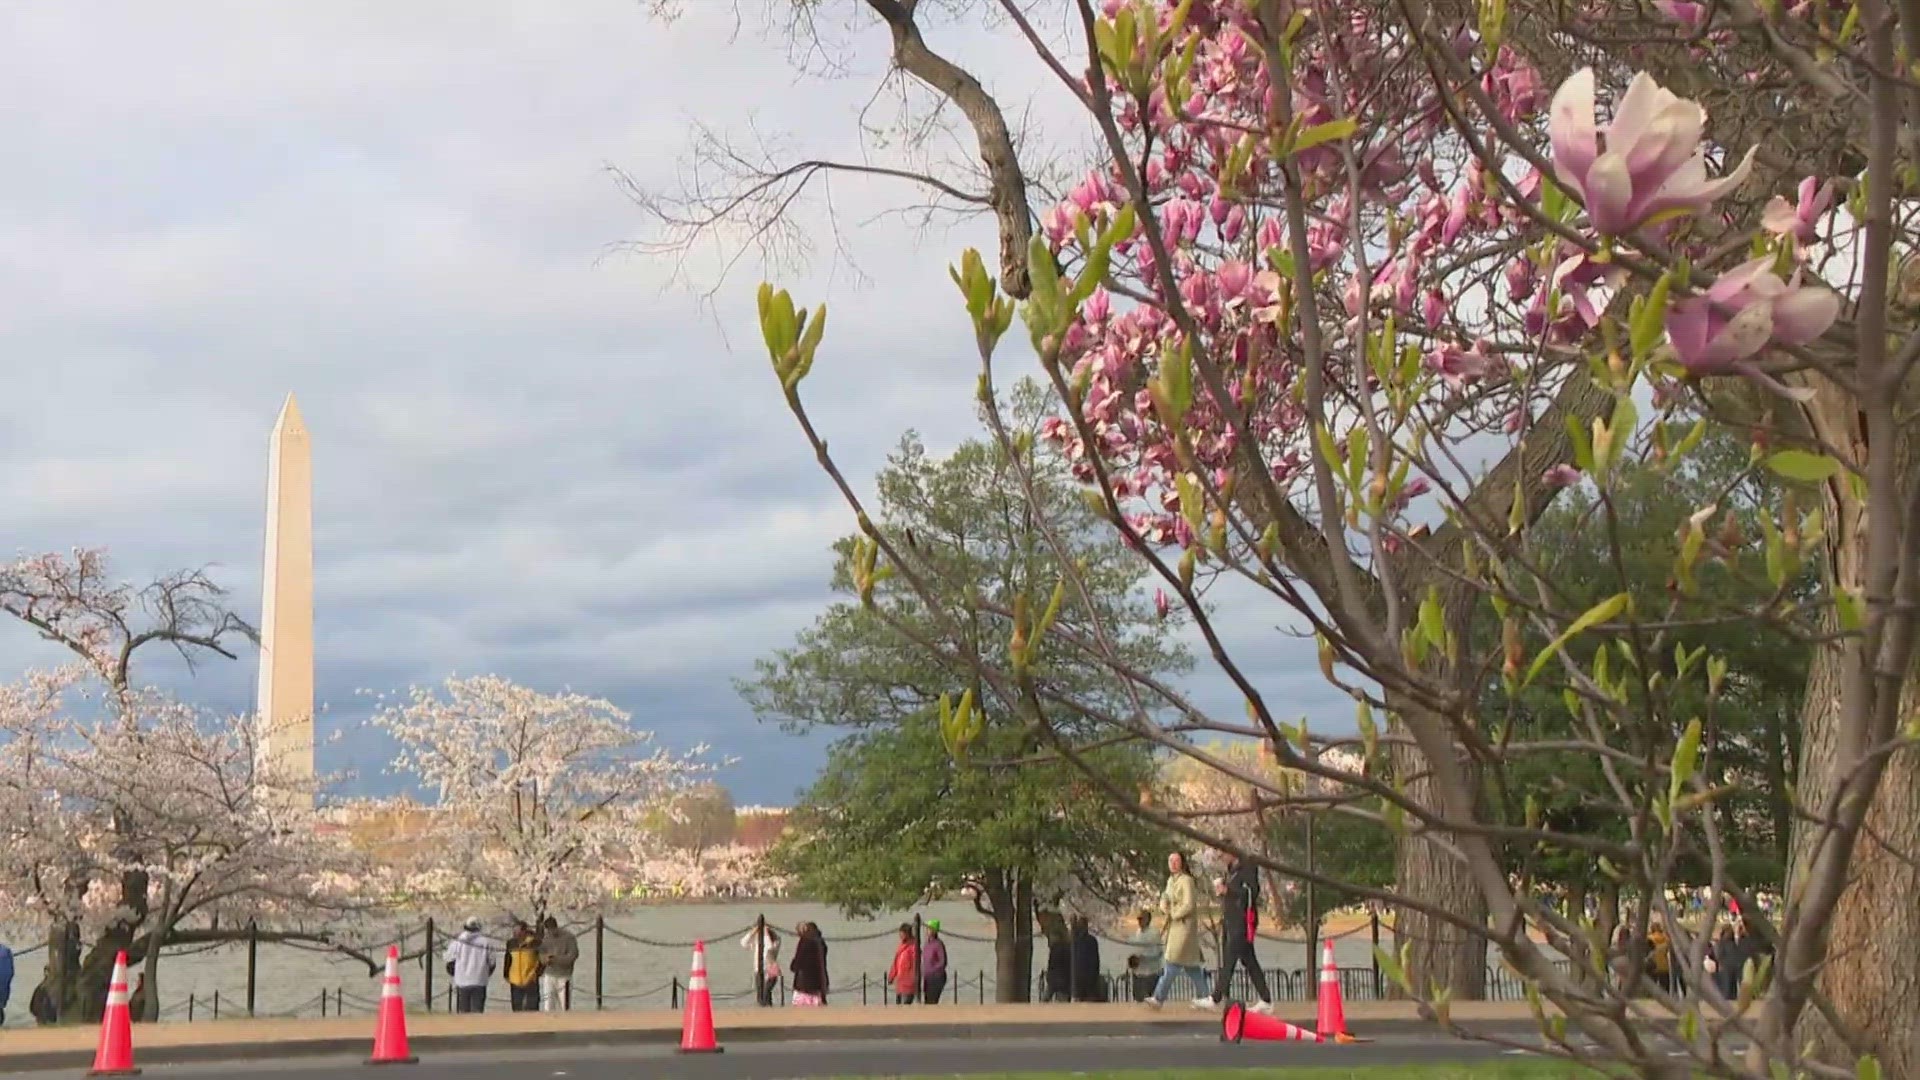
{"x": 1241, "y": 1024}
{"x": 115, "y": 1055}
{"x": 390, "y": 1029}
{"x": 1332, "y": 1021}
{"x": 696, "y": 1031}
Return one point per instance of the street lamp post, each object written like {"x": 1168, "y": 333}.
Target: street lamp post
{"x": 1313, "y": 911}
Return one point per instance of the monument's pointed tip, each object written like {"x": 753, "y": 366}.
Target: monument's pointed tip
{"x": 290, "y": 418}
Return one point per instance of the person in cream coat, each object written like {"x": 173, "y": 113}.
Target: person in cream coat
{"x": 1180, "y": 907}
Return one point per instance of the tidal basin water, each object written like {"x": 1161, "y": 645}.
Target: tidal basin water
{"x": 646, "y": 948}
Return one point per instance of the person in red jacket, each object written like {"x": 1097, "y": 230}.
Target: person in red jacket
{"x": 905, "y": 972}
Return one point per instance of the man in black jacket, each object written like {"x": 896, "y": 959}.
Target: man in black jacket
{"x": 1239, "y": 895}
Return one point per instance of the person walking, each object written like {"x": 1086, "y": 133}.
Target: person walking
{"x": 765, "y": 950}
{"x": 559, "y": 951}
{"x": 523, "y": 969}
{"x": 1144, "y": 963}
{"x": 809, "y": 968}
{"x": 905, "y": 972}
{"x": 1180, "y": 907}
{"x": 1087, "y": 984}
{"x": 469, "y": 959}
{"x": 1059, "y": 974}
{"x": 6, "y": 980}
{"x": 1660, "y": 954}
{"x": 1240, "y": 917}
{"x": 1727, "y": 958}
{"x": 933, "y": 964}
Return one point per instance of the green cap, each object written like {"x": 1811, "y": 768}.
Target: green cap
{"x": 933, "y": 925}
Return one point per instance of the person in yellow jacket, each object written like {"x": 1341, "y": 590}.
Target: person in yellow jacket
{"x": 523, "y": 968}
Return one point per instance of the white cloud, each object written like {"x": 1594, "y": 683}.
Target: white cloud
{"x": 530, "y": 458}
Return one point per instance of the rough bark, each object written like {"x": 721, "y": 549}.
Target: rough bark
{"x": 1443, "y": 954}
{"x": 1872, "y": 974}
{"x": 1012, "y": 901}
{"x": 997, "y": 153}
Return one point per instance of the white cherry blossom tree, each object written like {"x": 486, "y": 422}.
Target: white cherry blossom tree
{"x": 536, "y": 793}
{"x": 147, "y": 824}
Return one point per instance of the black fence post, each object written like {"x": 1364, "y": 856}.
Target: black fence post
{"x": 216, "y": 1004}
{"x": 863, "y": 988}
{"x": 981, "y": 982}
{"x": 189, "y": 1008}
{"x": 323, "y": 1003}
{"x": 760, "y": 995}
{"x": 1378, "y": 990}
{"x": 599, "y": 962}
{"x": 674, "y": 994}
{"x": 431, "y": 961}
{"x": 253, "y": 960}
{"x": 919, "y": 962}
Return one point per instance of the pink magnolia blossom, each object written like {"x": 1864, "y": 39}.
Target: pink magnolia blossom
{"x": 1561, "y": 476}
{"x": 1743, "y": 312}
{"x": 1457, "y": 366}
{"x": 1688, "y": 13}
{"x": 1651, "y": 165}
{"x": 1800, "y": 218}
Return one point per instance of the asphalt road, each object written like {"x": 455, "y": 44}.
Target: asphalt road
{"x": 788, "y": 1061}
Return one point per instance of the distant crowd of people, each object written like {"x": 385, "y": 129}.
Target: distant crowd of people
{"x": 1731, "y": 950}
{"x": 808, "y": 968}
{"x": 918, "y": 971}
{"x": 539, "y": 966}
{"x": 539, "y": 961}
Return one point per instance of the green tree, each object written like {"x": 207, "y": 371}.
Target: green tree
{"x": 895, "y": 819}
{"x": 1751, "y": 740}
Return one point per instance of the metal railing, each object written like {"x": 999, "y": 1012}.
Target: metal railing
{"x": 589, "y": 988}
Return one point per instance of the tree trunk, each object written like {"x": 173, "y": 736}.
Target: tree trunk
{"x": 1873, "y": 969}
{"x": 1609, "y": 910}
{"x": 1872, "y": 972}
{"x": 1012, "y": 940}
{"x": 63, "y": 969}
{"x": 1442, "y": 954}
{"x": 1782, "y": 748}
{"x": 87, "y": 999}
{"x": 148, "y": 1007}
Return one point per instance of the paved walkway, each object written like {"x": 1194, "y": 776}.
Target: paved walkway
{"x": 40, "y": 1048}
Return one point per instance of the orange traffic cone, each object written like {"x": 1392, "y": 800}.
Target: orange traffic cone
{"x": 390, "y": 1030}
{"x": 115, "y": 1055}
{"x": 1240, "y": 1023}
{"x": 1332, "y": 1021}
{"x": 696, "y": 1031}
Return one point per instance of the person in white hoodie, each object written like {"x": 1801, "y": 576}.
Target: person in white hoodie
{"x": 766, "y": 965}
{"x": 470, "y": 964}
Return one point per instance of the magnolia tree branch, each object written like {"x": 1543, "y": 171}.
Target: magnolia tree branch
{"x": 1278, "y": 341}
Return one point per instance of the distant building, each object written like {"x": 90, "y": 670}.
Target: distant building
{"x": 757, "y": 827}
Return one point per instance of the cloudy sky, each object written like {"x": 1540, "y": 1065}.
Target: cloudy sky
{"x": 536, "y": 454}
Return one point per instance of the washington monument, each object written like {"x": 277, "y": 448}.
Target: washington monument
{"x": 286, "y": 616}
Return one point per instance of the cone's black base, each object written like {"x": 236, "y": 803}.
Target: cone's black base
{"x": 394, "y": 1061}
{"x": 113, "y": 1072}
{"x": 715, "y": 1050}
